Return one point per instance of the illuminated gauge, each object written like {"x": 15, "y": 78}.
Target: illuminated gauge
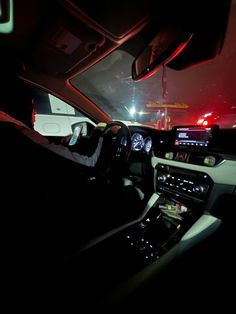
{"x": 123, "y": 141}
{"x": 147, "y": 144}
{"x": 137, "y": 142}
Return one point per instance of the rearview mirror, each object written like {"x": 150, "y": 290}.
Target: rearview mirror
{"x": 166, "y": 45}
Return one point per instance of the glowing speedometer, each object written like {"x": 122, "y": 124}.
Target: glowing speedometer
{"x": 147, "y": 144}
{"x": 137, "y": 142}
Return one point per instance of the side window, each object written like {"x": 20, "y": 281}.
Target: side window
{"x": 54, "y": 117}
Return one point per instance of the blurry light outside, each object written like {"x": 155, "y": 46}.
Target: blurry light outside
{"x": 200, "y": 121}
{"x": 207, "y": 115}
{"x": 205, "y": 123}
{"x": 132, "y": 111}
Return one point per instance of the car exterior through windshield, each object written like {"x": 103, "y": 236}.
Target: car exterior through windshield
{"x": 168, "y": 97}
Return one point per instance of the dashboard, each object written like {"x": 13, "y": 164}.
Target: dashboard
{"x": 192, "y": 164}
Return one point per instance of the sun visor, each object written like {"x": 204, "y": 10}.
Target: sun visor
{"x": 64, "y": 43}
{"x": 208, "y": 24}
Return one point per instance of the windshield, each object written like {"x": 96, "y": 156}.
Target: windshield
{"x": 203, "y": 94}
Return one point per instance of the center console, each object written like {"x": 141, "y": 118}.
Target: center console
{"x": 159, "y": 231}
{"x": 147, "y": 240}
{"x": 186, "y": 185}
{"x": 182, "y": 194}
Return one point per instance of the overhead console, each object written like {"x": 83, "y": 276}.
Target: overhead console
{"x": 102, "y": 16}
{"x": 76, "y": 34}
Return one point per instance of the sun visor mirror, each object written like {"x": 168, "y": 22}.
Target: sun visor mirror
{"x": 165, "y": 46}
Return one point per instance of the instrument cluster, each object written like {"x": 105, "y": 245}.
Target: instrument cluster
{"x": 139, "y": 143}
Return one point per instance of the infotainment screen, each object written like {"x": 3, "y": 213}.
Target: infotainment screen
{"x": 193, "y": 136}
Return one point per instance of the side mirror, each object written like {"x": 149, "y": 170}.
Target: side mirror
{"x": 165, "y": 46}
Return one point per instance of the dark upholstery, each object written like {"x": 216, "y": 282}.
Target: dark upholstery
{"x": 49, "y": 209}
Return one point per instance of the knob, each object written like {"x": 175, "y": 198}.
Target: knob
{"x": 198, "y": 188}
{"x": 161, "y": 178}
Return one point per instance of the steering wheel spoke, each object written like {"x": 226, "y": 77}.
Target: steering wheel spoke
{"x": 118, "y": 144}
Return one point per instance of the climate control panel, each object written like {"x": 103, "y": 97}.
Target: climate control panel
{"x": 189, "y": 184}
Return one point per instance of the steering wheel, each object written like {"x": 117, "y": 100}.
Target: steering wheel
{"x": 117, "y": 145}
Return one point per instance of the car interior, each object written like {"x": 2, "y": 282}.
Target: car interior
{"x": 151, "y": 225}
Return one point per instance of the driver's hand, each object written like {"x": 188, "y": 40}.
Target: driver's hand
{"x": 102, "y": 126}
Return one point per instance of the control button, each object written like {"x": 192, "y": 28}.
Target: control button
{"x": 209, "y": 161}
{"x": 197, "y": 188}
{"x": 161, "y": 178}
{"x": 169, "y": 155}
{"x": 142, "y": 225}
{"x": 181, "y": 156}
